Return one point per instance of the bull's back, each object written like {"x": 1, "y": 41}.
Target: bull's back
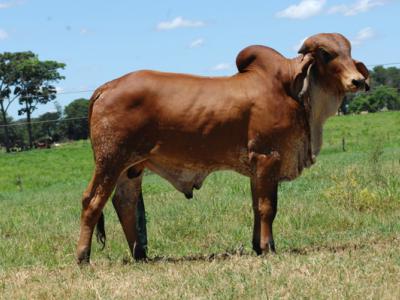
{"x": 182, "y": 116}
{"x": 199, "y": 118}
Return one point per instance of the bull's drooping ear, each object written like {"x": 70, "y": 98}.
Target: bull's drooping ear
{"x": 364, "y": 72}
{"x": 301, "y": 79}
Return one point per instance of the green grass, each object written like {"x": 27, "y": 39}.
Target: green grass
{"x": 337, "y": 231}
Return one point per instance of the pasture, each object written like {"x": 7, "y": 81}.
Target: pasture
{"x": 337, "y": 230}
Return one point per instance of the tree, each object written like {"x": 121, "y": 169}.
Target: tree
{"x": 385, "y": 97}
{"x": 378, "y": 75}
{"x": 3, "y": 140}
{"x": 359, "y": 103}
{"x": 380, "y": 98}
{"x": 393, "y": 75}
{"x": 344, "y": 107}
{"x": 78, "y": 127}
{"x": 384, "y": 94}
{"x": 8, "y": 78}
{"x": 386, "y": 76}
{"x": 48, "y": 126}
{"x": 34, "y": 86}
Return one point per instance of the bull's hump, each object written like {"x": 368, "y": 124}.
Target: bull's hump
{"x": 258, "y": 56}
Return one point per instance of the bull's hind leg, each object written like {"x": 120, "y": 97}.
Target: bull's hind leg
{"x": 128, "y": 203}
{"x": 93, "y": 201}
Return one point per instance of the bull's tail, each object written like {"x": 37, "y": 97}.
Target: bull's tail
{"x": 92, "y": 100}
{"x": 101, "y": 232}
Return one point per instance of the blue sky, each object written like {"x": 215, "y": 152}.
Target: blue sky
{"x": 101, "y": 40}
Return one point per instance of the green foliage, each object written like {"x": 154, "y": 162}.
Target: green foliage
{"x": 78, "y": 128}
{"x": 9, "y": 77}
{"x": 49, "y": 128}
{"x": 382, "y": 97}
{"x": 359, "y": 103}
{"x": 384, "y": 93}
{"x": 386, "y": 76}
{"x": 3, "y": 132}
{"x": 53, "y": 126}
{"x": 35, "y": 80}
{"x": 26, "y": 78}
{"x": 35, "y": 87}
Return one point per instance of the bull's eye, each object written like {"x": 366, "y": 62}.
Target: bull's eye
{"x": 326, "y": 56}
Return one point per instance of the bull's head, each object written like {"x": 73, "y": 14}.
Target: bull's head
{"x": 325, "y": 72}
{"x": 334, "y": 67}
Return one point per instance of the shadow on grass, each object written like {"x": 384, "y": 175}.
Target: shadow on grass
{"x": 344, "y": 247}
{"x": 229, "y": 254}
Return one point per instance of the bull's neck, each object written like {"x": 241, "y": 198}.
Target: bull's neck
{"x": 324, "y": 104}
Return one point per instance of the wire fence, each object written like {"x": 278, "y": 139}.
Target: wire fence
{"x": 385, "y": 64}
{"x": 42, "y": 122}
{"x": 57, "y": 124}
{"x": 22, "y": 135}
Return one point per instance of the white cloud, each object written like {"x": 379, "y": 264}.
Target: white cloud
{"x": 84, "y": 31}
{"x": 197, "y": 43}
{"x": 179, "y": 22}
{"x": 363, "y": 35}
{"x": 358, "y": 7}
{"x": 3, "y": 34}
{"x": 221, "y": 67}
{"x": 303, "y": 10}
{"x": 60, "y": 89}
{"x": 4, "y": 5}
{"x": 299, "y": 44}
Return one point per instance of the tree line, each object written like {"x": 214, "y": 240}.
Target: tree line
{"x": 384, "y": 94}
{"x": 29, "y": 82}
{"x": 61, "y": 125}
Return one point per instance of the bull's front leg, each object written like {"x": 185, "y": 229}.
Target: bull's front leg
{"x": 264, "y": 188}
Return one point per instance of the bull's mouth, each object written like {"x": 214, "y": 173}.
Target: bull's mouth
{"x": 356, "y": 86}
{"x": 352, "y": 89}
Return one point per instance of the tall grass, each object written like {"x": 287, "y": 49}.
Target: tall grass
{"x": 337, "y": 229}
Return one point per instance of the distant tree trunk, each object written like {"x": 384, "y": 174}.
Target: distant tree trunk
{"x": 6, "y": 136}
{"x": 28, "y": 120}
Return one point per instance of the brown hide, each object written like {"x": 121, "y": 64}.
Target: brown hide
{"x": 184, "y": 127}
{"x": 264, "y": 122}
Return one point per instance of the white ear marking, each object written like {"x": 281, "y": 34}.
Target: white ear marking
{"x": 306, "y": 82}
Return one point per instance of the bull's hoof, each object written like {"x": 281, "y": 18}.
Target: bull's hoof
{"x": 257, "y": 248}
{"x": 268, "y": 248}
{"x": 271, "y": 246}
{"x": 139, "y": 254}
{"x": 83, "y": 257}
{"x": 189, "y": 195}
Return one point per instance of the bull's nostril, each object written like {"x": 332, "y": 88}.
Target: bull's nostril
{"x": 358, "y": 82}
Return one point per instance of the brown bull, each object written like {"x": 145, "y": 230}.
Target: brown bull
{"x": 264, "y": 122}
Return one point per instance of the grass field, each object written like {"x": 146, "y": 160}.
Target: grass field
{"x": 337, "y": 231}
